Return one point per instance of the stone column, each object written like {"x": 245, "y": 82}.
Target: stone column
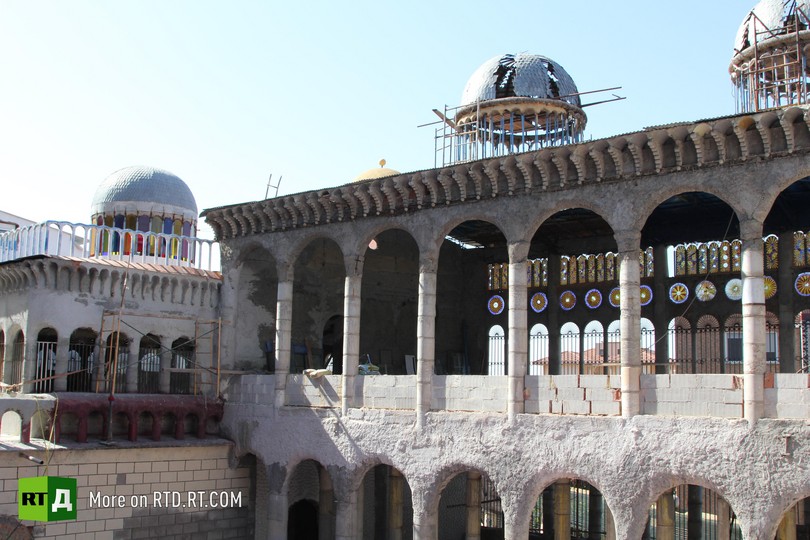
{"x": 62, "y": 357}
{"x": 132, "y": 366}
{"x": 554, "y": 359}
{"x": 630, "y": 321}
{"x": 276, "y": 516}
{"x": 473, "y": 502}
{"x": 723, "y": 526}
{"x": 518, "y": 338}
{"x": 665, "y": 517}
{"x": 326, "y": 507}
{"x": 562, "y": 510}
{"x": 753, "y": 326}
{"x": 351, "y": 336}
{"x": 284, "y": 307}
{"x": 29, "y": 363}
{"x": 349, "y": 516}
{"x": 784, "y": 287}
{"x": 425, "y": 339}
{"x": 660, "y": 321}
{"x": 165, "y": 376}
{"x": 395, "y": 504}
{"x": 610, "y": 525}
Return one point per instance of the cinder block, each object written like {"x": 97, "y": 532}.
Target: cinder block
{"x": 725, "y": 410}
{"x": 792, "y": 410}
{"x": 607, "y": 408}
{"x": 594, "y": 381}
{"x": 565, "y": 381}
{"x": 556, "y": 407}
{"x": 576, "y": 407}
{"x": 571, "y": 394}
{"x": 790, "y": 380}
{"x": 725, "y": 382}
{"x": 599, "y": 394}
{"x": 684, "y": 381}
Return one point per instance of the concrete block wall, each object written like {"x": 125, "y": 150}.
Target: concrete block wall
{"x": 573, "y": 394}
{"x": 787, "y": 395}
{"x": 250, "y": 389}
{"x": 692, "y": 395}
{"x": 385, "y": 391}
{"x": 486, "y": 393}
{"x": 321, "y": 392}
{"x": 135, "y": 477}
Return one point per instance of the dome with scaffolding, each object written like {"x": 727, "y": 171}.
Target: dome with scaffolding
{"x": 513, "y": 103}
{"x": 769, "y": 66}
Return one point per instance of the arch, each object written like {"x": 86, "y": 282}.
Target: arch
{"x": 318, "y": 288}
{"x": 11, "y": 423}
{"x": 149, "y": 353}
{"x": 691, "y": 510}
{"x": 700, "y": 216}
{"x": 46, "y": 360}
{"x": 81, "y": 359}
{"x": 469, "y": 499}
{"x": 180, "y": 382}
{"x": 332, "y": 344}
{"x": 570, "y": 349}
{"x": 14, "y": 375}
{"x": 538, "y": 350}
{"x": 310, "y": 496}
{"x": 496, "y": 351}
{"x": 256, "y": 298}
{"x": 389, "y": 300}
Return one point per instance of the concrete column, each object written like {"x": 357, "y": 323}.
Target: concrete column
{"x": 349, "y": 517}
{"x": 665, "y": 517}
{"x": 425, "y": 339}
{"x": 132, "y": 366}
{"x": 165, "y": 376}
{"x": 753, "y": 326}
{"x": 326, "y": 507}
{"x": 351, "y": 338}
{"x": 724, "y": 520}
{"x": 562, "y": 510}
{"x": 784, "y": 287}
{"x": 553, "y": 309}
{"x": 29, "y": 363}
{"x": 396, "y": 501}
{"x": 660, "y": 320}
{"x": 276, "y": 516}
{"x": 630, "y": 321}
{"x": 473, "y": 501}
{"x": 425, "y": 526}
{"x": 62, "y": 356}
{"x": 787, "y": 527}
{"x": 518, "y": 338}
{"x": 284, "y": 307}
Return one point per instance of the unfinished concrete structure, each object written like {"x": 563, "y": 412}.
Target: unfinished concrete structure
{"x": 603, "y": 339}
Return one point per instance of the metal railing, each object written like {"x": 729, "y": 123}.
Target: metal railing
{"x": 61, "y": 238}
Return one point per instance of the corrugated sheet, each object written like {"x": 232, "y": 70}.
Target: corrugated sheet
{"x": 534, "y": 76}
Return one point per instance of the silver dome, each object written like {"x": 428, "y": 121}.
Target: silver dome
{"x": 771, "y": 13}
{"x": 520, "y": 75}
{"x": 144, "y": 190}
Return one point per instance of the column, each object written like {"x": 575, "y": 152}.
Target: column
{"x": 553, "y": 308}
{"x": 165, "y": 376}
{"x": 562, "y": 510}
{"x": 787, "y": 527}
{"x": 395, "y": 504}
{"x": 518, "y": 338}
{"x": 630, "y": 321}
{"x": 753, "y": 326}
{"x": 665, "y": 517}
{"x": 610, "y": 525}
{"x": 29, "y": 363}
{"x": 326, "y": 506}
{"x": 133, "y": 362}
{"x": 62, "y": 356}
{"x": 348, "y": 519}
{"x": 723, "y": 526}
{"x": 473, "y": 501}
{"x": 784, "y": 287}
{"x": 425, "y": 339}
{"x": 284, "y": 303}
{"x": 351, "y": 335}
{"x": 660, "y": 321}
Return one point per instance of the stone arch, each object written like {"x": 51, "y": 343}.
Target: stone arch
{"x": 257, "y": 293}
{"x": 664, "y": 205}
{"x": 466, "y": 497}
{"x": 81, "y": 359}
{"x": 681, "y": 510}
{"x": 45, "y": 367}
{"x": 389, "y": 299}
{"x": 310, "y": 501}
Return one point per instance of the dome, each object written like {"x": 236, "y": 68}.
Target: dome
{"x": 144, "y": 190}
{"x": 520, "y": 75}
{"x": 772, "y": 14}
{"x": 379, "y": 172}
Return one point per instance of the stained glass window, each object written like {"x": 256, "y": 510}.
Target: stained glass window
{"x": 563, "y": 270}
{"x": 610, "y": 266}
{"x": 725, "y": 256}
{"x": 798, "y": 249}
{"x": 691, "y": 259}
{"x": 772, "y": 252}
{"x": 703, "y": 259}
{"x": 648, "y": 254}
{"x": 680, "y": 260}
{"x": 591, "y": 268}
{"x": 600, "y": 267}
{"x": 714, "y": 257}
{"x": 582, "y": 269}
{"x": 736, "y": 258}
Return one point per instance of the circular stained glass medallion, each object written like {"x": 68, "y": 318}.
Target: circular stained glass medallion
{"x": 705, "y": 291}
{"x": 593, "y": 298}
{"x": 734, "y": 289}
{"x": 614, "y": 296}
{"x": 568, "y": 300}
{"x": 645, "y": 294}
{"x": 496, "y": 304}
{"x": 539, "y": 302}
{"x": 770, "y": 287}
{"x": 678, "y": 293}
{"x": 803, "y": 284}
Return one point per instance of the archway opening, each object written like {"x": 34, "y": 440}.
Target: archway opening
{"x": 182, "y": 379}
{"x": 571, "y": 508}
{"x": 81, "y": 359}
{"x": 332, "y": 344}
{"x": 46, "y": 361}
{"x": 470, "y": 507}
{"x": 255, "y": 327}
{"x": 691, "y": 511}
{"x": 311, "y": 511}
{"x": 149, "y": 364}
{"x": 387, "y": 507}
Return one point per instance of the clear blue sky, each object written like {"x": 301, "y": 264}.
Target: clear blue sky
{"x": 225, "y": 93}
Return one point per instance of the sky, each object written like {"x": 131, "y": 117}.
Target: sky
{"x": 224, "y": 94}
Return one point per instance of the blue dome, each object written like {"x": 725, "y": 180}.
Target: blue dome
{"x": 144, "y": 190}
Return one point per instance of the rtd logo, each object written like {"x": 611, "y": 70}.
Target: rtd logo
{"x": 46, "y": 498}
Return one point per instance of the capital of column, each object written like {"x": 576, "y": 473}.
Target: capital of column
{"x": 629, "y": 240}
{"x": 518, "y": 251}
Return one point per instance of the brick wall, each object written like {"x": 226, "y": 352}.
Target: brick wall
{"x": 137, "y": 474}
{"x": 692, "y": 395}
{"x": 486, "y": 393}
{"x": 786, "y": 395}
{"x": 573, "y": 394}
